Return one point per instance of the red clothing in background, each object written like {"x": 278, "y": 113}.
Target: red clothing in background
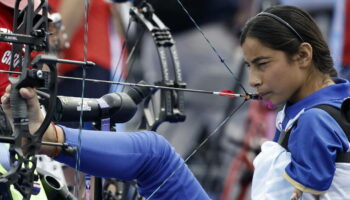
{"x": 6, "y": 26}
{"x": 6, "y": 20}
{"x": 98, "y": 37}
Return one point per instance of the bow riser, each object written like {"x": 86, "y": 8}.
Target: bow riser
{"x": 30, "y": 31}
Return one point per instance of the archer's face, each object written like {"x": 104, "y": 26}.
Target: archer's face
{"x": 274, "y": 76}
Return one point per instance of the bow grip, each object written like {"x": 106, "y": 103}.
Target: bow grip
{"x": 18, "y": 106}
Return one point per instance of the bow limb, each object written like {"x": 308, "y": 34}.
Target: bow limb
{"x": 171, "y": 102}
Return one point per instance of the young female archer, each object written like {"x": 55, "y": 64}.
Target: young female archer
{"x": 290, "y": 65}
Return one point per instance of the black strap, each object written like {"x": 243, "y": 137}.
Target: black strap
{"x": 5, "y": 194}
{"x": 5, "y": 126}
{"x": 336, "y": 114}
{"x": 284, "y": 137}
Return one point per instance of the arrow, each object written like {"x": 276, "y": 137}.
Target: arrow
{"x": 225, "y": 93}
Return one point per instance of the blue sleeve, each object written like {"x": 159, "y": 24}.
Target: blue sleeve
{"x": 314, "y": 144}
{"x": 4, "y": 156}
{"x": 145, "y": 156}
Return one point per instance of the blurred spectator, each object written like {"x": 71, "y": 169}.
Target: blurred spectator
{"x": 104, "y": 44}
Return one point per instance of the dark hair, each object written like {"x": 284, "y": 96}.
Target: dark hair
{"x": 279, "y": 36}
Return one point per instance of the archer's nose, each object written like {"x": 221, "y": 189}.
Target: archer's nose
{"x": 254, "y": 79}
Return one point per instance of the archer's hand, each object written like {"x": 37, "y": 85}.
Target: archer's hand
{"x": 35, "y": 117}
{"x": 296, "y": 194}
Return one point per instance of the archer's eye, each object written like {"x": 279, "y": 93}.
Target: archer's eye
{"x": 262, "y": 64}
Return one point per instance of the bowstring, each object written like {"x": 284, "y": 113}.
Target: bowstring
{"x": 85, "y": 54}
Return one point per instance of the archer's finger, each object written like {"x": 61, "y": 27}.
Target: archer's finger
{"x": 296, "y": 194}
{"x": 27, "y": 93}
{"x": 317, "y": 197}
{"x": 30, "y": 95}
{"x": 5, "y": 102}
{"x": 5, "y": 99}
{"x": 8, "y": 88}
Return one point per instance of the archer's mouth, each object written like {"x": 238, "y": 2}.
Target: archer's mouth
{"x": 264, "y": 95}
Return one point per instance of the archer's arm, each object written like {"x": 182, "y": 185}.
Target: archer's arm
{"x": 145, "y": 156}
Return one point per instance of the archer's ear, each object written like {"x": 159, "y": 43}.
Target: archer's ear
{"x": 305, "y": 54}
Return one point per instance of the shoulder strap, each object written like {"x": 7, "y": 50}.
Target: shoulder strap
{"x": 284, "y": 137}
{"x": 336, "y": 114}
